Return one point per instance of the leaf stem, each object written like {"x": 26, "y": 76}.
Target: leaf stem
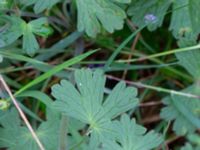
{"x": 121, "y": 46}
{"x": 159, "y": 89}
{"x": 22, "y": 114}
{"x": 161, "y": 54}
{"x": 79, "y": 48}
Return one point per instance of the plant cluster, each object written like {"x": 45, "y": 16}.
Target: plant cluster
{"x": 99, "y": 75}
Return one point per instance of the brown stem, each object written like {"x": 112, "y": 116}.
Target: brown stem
{"x": 132, "y": 48}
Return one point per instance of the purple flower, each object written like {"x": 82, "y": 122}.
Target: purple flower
{"x": 150, "y": 18}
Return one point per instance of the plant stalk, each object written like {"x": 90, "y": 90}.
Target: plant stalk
{"x": 22, "y": 114}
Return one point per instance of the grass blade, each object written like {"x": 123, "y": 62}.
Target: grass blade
{"x": 121, "y": 46}
{"x": 54, "y": 71}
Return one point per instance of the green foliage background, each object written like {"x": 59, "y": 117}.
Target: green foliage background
{"x": 150, "y": 45}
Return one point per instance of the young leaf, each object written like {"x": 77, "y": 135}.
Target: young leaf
{"x": 39, "y": 27}
{"x": 131, "y": 136}
{"x": 141, "y": 9}
{"x": 183, "y": 111}
{"x": 30, "y": 43}
{"x": 86, "y": 103}
{"x": 105, "y": 12}
{"x": 16, "y": 137}
{"x": 18, "y": 27}
{"x": 13, "y": 30}
{"x": 34, "y": 27}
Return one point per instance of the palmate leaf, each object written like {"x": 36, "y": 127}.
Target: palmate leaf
{"x": 18, "y": 27}
{"x": 185, "y": 26}
{"x": 86, "y": 103}
{"x": 38, "y": 27}
{"x": 94, "y": 13}
{"x": 30, "y": 43}
{"x": 184, "y": 111}
{"x": 140, "y": 8}
{"x": 14, "y": 136}
{"x": 131, "y": 136}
